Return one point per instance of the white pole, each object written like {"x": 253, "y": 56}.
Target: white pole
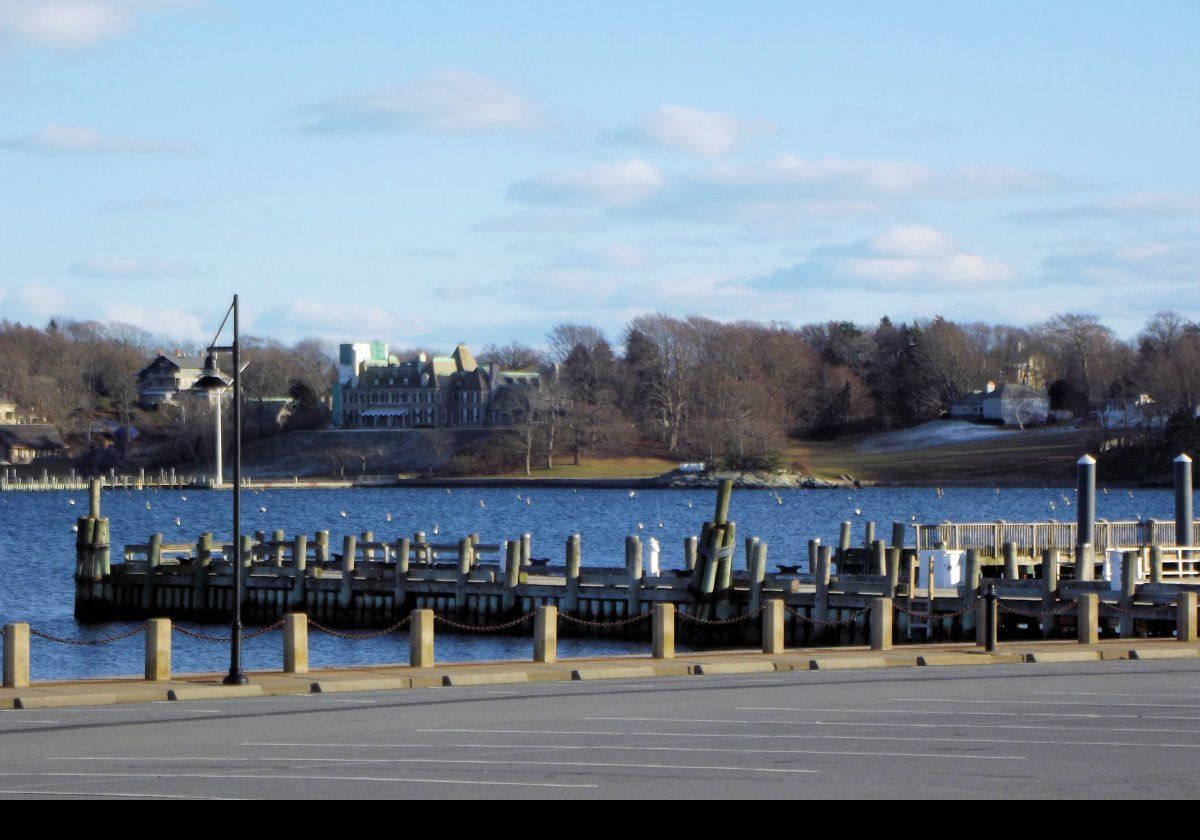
{"x": 220, "y": 479}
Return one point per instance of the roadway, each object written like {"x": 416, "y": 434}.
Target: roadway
{"x": 1123, "y": 729}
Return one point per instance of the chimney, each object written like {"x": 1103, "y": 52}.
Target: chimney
{"x": 991, "y": 386}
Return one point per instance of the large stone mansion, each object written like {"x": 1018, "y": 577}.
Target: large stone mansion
{"x": 378, "y": 391}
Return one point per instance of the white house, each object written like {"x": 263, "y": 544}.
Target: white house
{"x": 1010, "y": 404}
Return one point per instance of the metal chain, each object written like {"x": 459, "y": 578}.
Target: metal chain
{"x": 485, "y": 628}
{"x": 107, "y": 640}
{"x": 840, "y": 622}
{"x": 938, "y": 616}
{"x": 720, "y": 622}
{"x": 337, "y": 634}
{"x": 205, "y": 637}
{"x": 1155, "y": 611}
{"x": 620, "y": 622}
{"x": 1059, "y": 610}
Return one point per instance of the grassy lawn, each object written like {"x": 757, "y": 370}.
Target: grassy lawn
{"x": 1013, "y": 459}
{"x": 635, "y": 466}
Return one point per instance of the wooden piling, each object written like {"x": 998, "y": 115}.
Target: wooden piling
{"x": 158, "y": 649}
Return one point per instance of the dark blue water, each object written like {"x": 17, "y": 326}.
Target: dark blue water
{"x": 37, "y": 546}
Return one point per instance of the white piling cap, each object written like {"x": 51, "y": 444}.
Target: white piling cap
{"x": 1183, "y": 459}
{"x": 1085, "y": 460}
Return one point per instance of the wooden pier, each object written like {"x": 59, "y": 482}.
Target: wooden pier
{"x": 370, "y": 581}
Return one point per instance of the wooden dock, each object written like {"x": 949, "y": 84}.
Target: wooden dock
{"x": 370, "y": 581}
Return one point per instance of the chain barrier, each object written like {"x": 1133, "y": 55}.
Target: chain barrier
{"x": 205, "y": 637}
{"x": 485, "y": 628}
{"x": 1156, "y": 611}
{"x": 720, "y": 622}
{"x": 837, "y": 622}
{"x": 1062, "y": 609}
{"x": 107, "y": 640}
{"x": 354, "y": 637}
{"x": 620, "y": 622}
{"x": 924, "y": 616}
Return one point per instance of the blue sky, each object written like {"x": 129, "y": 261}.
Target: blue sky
{"x": 430, "y": 173}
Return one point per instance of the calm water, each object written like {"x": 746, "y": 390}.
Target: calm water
{"x": 37, "y": 546}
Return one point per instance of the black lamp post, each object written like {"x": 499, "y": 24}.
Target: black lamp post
{"x": 212, "y": 382}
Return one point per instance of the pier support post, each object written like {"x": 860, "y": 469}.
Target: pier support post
{"x": 881, "y": 624}
{"x": 420, "y": 637}
{"x": 844, "y": 537}
{"x": 1156, "y": 564}
{"x": 465, "y": 552}
{"x": 512, "y": 573}
{"x": 295, "y": 643}
{"x": 16, "y": 655}
{"x": 633, "y": 566}
{"x": 1185, "y": 618}
{"x": 663, "y": 631}
{"x": 1049, "y": 588}
{"x": 574, "y": 559}
{"x": 893, "y": 570}
{"x": 689, "y": 553}
{"x": 94, "y": 498}
{"x": 1085, "y": 502}
{"x": 1088, "y": 619}
{"x": 814, "y": 546}
{"x": 1130, "y": 561}
{"x": 772, "y": 626}
{"x": 821, "y": 601}
{"x": 158, "y": 649}
{"x": 878, "y": 558}
{"x": 758, "y": 574}
{"x": 1085, "y": 562}
{"x": 1183, "y": 502}
{"x": 1011, "y": 570}
{"x": 899, "y": 529}
{"x": 545, "y": 635}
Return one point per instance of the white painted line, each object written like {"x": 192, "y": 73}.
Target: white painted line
{"x": 1116, "y": 694}
{"x": 959, "y": 714}
{"x": 266, "y": 776}
{"x": 111, "y": 795}
{"x": 500, "y": 762}
{"x": 907, "y": 725}
{"x": 1043, "y": 703}
{"x": 795, "y": 737}
{"x": 623, "y": 748}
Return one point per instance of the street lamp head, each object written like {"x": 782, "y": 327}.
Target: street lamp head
{"x": 210, "y": 382}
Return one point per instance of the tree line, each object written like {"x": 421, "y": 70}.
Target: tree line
{"x": 729, "y": 393}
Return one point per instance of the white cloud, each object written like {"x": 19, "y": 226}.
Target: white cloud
{"x": 706, "y": 133}
{"x": 1134, "y": 264}
{"x": 607, "y": 185}
{"x": 903, "y": 258}
{"x": 1124, "y": 208}
{"x": 80, "y": 140}
{"x": 442, "y": 102}
{"x": 615, "y": 257}
{"x": 793, "y": 176}
{"x": 176, "y": 323}
{"x": 75, "y": 24}
{"x": 41, "y": 302}
{"x": 122, "y": 269}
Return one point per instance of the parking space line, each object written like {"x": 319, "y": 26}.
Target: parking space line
{"x": 267, "y": 776}
{"x": 907, "y": 724}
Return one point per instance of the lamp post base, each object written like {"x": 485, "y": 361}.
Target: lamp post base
{"x": 235, "y": 679}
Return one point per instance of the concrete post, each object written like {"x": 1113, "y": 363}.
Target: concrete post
{"x": 16, "y": 655}
{"x": 420, "y": 637}
{"x": 526, "y": 549}
{"x": 1129, "y": 576}
{"x": 663, "y": 629}
{"x": 813, "y": 547}
{"x": 545, "y": 635}
{"x": 821, "y": 604}
{"x": 881, "y": 624}
{"x": 158, "y": 649}
{"x": 349, "y": 549}
{"x": 772, "y": 626}
{"x": 1085, "y": 501}
{"x": 1185, "y": 619}
{"x": 295, "y": 643}
{"x": 1183, "y": 501}
{"x": 1088, "y": 619}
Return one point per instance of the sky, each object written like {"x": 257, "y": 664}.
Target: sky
{"x": 429, "y": 173}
